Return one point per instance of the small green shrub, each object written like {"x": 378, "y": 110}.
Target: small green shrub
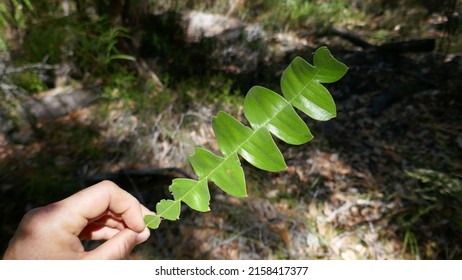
{"x": 435, "y": 201}
{"x": 29, "y": 81}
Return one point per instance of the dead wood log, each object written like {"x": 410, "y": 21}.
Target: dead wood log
{"x": 134, "y": 173}
{"x": 60, "y": 101}
{"x": 417, "y": 45}
{"x": 140, "y": 182}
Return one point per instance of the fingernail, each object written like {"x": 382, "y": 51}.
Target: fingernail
{"x": 143, "y": 236}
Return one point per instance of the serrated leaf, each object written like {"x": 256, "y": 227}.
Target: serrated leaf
{"x": 204, "y": 162}
{"x": 169, "y": 209}
{"x": 230, "y": 133}
{"x": 194, "y": 193}
{"x": 300, "y": 84}
{"x": 328, "y": 69}
{"x": 263, "y": 107}
{"x": 261, "y": 151}
{"x": 227, "y": 173}
{"x": 152, "y": 221}
{"x": 304, "y": 93}
{"x": 266, "y": 112}
{"x": 230, "y": 178}
{"x": 255, "y": 146}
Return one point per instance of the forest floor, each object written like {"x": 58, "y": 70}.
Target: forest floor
{"x": 383, "y": 180}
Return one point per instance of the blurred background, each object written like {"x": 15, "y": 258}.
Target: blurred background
{"x": 124, "y": 90}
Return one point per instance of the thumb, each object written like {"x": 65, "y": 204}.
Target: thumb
{"x": 116, "y": 248}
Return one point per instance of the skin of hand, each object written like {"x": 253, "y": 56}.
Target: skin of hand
{"x": 100, "y": 212}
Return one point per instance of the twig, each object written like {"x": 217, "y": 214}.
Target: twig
{"x": 356, "y": 40}
{"x": 345, "y": 207}
{"x": 144, "y": 70}
{"x": 236, "y": 236}
{"x": 41, "y": 66}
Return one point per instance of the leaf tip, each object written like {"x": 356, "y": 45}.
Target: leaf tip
{"x": 152, "y": 221}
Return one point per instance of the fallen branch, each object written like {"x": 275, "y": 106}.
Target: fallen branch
{"x": 133, "y": 173}
{"x": 61, "y": 101}
{"x": 22, "y": 68}
{"x": 418, "y": 45}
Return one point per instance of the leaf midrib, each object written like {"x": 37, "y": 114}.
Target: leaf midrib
{"x": 254, "y": 131}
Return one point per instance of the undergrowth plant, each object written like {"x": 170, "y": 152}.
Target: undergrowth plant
{"x": 268, "y": 113}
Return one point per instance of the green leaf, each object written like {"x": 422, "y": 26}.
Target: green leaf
{"x": 152, "y": 221}
{"x": 169, "y": 209}
{"x": 266, "y": 108}
{"x": 28, "y": 5}
{"x": 257, "y": 147}
{"x": 261, "y": 151}
{"x": 230, "y": 133}
{"x": 301, "y": 86}
{"x": 267, "y": 112}
{"x": 227, "y": 173}
{"x": 122, "y": 56}
{"x": 230, "y": 177}
{"x": 194, "y": 193}
{"x": 328, "y": 68}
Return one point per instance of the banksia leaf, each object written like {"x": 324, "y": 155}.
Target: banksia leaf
{"x": 301, "y": 86}
{"x": 152, "y": 221}
{"x": 261, "y": 151}
{"x": 227, "y": 174}
{"x": 255, "y": 146}
{"x": 268, "y": 113}
{"x": 194, "y": 193}
{"x": 263, "y": 107}
{"x": 230, "y": 133}
{"x": 169, "y": 209}
{"x": 328, "y": 68}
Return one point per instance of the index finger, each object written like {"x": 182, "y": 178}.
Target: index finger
{"x": 93, "y": 201}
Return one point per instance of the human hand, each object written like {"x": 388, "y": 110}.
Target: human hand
{"x": 101, "y": 212}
